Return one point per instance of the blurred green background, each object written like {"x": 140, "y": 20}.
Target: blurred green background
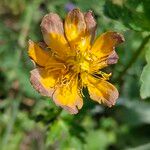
{"x": 29, "y": 121}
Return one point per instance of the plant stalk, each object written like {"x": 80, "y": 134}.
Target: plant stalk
{"x": 134, "y": 58}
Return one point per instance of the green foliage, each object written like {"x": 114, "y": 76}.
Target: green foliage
{"x": 133, "y": 13}
{"x": 30, "y": 121}
{"x": 145, "y": 77}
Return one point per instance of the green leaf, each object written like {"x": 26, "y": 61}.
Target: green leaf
{"x": 148, "y": 55}
{"x": 131, "y": 12}
{"x": 141, "y": 147}
{"x": 133, "y": 113}
{"x": 99, "y": 139}
{"x": 145, "y": 78}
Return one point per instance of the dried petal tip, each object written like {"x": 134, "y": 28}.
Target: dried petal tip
{"x": 51, "y": 23}
{"x": 118, "y": 37}
{"x": 70, "y": 110}
{"x": 76, "y": 10}
{"x": 110, "y": 104}
{"x": 112, "y": 58}
{"x": 90, "y": 24}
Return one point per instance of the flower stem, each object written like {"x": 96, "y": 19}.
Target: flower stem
{"x": 10, "y": 125}
{"x": 133, "y": 59}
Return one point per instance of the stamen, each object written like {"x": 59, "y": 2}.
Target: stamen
{"x": 96, "y": 76}
{"x": 81, "y": 93}
{"x": 54, "y": 69}
{"x": 54, "y": 65}
{"x": 103, "y": 76}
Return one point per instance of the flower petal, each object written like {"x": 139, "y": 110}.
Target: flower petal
{"x": 112, "y": 58}
{"x": 103, "y": 50}
{"x": 75, "y": 30}
{"x": 37, "y": 54}
{"x": 74, "y": 25}
{"x": 104, "y": 44}
{"x": 90, "y": 24}
{"x": 43, "y": 82}
{"x": 53, "y": 33}
{"x": 68, "y": 97}
{"x": 102, "y": 91}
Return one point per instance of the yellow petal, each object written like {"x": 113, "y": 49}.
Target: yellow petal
{"x": 53, "y": 33}
{"x": 74, "y": 25}
{"x": 102, "y": 91}
{"x": 100, "y": 63}
{"x": 75, "y": 30}
{"x": 105, "y": 44}
{"x": 68, "y": 97}
{"x": 43, "y": 82}
{"x": 103, "y": 50}
{"x": 37, "y": 54}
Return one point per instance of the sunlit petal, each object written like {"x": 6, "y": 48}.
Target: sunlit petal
{"x": 43, "y": 82}
{"x": 37, "y": 54}
{"x": 103, "y": 50}
{"x": 75, "y": 30}
{"x": 68, "y": 97}
{"x": 53, "y": 33}
{"x": 72, "y": 61}
{"x": 102, "y": 91}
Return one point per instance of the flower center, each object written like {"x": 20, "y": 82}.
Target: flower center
{"x": 79, "y": 63}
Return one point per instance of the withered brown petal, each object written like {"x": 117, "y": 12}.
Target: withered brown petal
{"x": 51, "y": 23}
{"x": 70, "y": 110}
{"x": 112, "y": 58}
{"x": 118, "y": 37}
{"x": 90, "y": 24}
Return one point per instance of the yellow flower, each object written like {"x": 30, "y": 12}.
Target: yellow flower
{"x": 71, "y": 60}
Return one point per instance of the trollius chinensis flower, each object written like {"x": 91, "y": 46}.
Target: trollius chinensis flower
{"x": 70, "y": 59}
